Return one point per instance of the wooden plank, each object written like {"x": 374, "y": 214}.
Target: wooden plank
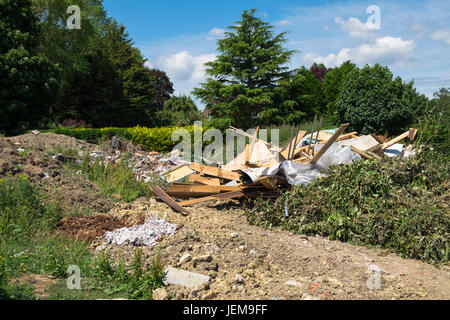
{"x": 191, "y": 191}
{"x": 249, "y": 150}
{"x": 347, "y": 136}
{"x": 285, "y": 152}
{"x": 168, "y": 200}
{"x": 411, "y": 134}
{"x": 228, "y": 195}
{"x": 361, "y": 153}
{"x": 178, "y": 173}
{"x": 196, "y": 178}
{"x": 267, "y": 182}
{"x": 328, "y": 144}
{"x": 364, "y": 143}
{"x": 245, "y": 134}
{"x": 215, "y": 172}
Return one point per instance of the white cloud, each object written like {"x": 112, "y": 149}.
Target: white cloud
{"x": 442, "y": 34}
{"x": 183, "y": 66}
{"x": 282, "y": 23}
{"x": 215, "y": 33}
{"x": 385, "y": 50}
{"x": 355, "y": 28}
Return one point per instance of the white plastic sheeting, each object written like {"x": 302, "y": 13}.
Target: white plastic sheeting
{"x": 302, "y": 174}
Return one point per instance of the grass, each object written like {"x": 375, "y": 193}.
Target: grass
{"x": 30, "y": 245}
{"x": 115, "y": 180}
{"x": 399, "y": 204}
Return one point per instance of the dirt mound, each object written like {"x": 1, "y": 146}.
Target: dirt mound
{"x": 49, "y": 141}
{"x": 27, "y": 155}
{"x": 89, "y": 228}
{"x": 33, "y": 164}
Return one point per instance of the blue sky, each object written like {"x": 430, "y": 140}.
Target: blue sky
{"x": 413, "y": 37}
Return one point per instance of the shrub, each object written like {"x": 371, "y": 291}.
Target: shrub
{"x": 373, "y": 102}
{"x": 155, "y": 139}
{"x": 400, "y": 204}
{"x": 434, "y": 123}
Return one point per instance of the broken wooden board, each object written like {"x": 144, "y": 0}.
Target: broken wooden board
{"x": 285, "y": 150}
{"x": 347, "y": 136}
{"x": 245, "y": 134}
{"x": 249, "y": 148}
{"x": 328, "y": 144}
{"x": 193, "y": 190}
{"x": 168, "y": 200}
{"x": 227, "y": 195}
{"x": 215, "y": 172}
{"x": 178, "y": 173}
{"x": 261, "y": 155}
{"x": 411, "y": 134}
{"x": 271, "y": 182}
{"x": 363, "y": 143}
{"x": 196, "y": 178}
{"x": 361, "y": 153}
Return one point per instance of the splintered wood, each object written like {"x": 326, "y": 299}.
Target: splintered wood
{"x": 231, "y": 181}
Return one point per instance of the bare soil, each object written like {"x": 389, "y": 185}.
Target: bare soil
{"x": 276, "y": 264}
{"x": 89, "y": 228}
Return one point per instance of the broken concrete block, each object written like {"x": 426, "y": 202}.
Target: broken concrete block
{"x": 184, "y": 278}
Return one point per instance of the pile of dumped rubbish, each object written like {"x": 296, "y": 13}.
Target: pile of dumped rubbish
{"x": 260, "y": 172}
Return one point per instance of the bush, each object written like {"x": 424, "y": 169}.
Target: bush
{"x": 155, "y": 139}
{"x": 373, "y": 102}
{"x": 434, "y": 123}
{"x": 400, "y": 204}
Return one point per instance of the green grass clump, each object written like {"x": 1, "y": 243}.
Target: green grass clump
{"x": 399, "y": 204}
{"x": 116, "y": 180}
{"x": 30, "y": 245}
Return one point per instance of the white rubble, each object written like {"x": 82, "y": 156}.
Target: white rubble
{"x": 146, "y": 234}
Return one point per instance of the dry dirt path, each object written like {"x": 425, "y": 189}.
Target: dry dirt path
{"x": 250, "y": 262}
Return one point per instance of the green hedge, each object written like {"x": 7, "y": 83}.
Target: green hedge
{"x": 155, "y": 139}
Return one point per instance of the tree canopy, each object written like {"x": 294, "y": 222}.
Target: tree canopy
{"x": 29, "y": 82}
{"x": 250, "y": 64}
{"x": 372, "y": 101}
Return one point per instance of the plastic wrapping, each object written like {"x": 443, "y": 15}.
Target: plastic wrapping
{"x": 303, "y": 174}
